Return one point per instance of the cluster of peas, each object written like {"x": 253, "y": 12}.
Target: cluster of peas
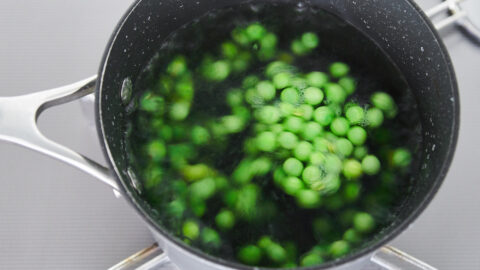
{"x": 302, "y": 135}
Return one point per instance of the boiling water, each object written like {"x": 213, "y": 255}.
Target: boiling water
{"x": 284, "y": 221}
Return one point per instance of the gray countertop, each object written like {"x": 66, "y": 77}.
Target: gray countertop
{"x": 55, "y": 217}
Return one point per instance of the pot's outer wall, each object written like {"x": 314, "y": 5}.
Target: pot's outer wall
{"x": 397, "y": 26}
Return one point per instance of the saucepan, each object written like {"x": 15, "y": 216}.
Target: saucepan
{"x": 399, "y": 28}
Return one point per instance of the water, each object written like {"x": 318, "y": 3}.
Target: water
{"x": 282, "y": 219}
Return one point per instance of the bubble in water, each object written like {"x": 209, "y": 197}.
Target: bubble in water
{"x": 301, "y": 7}
{"x": 126, "y": 91}
{"x": 255, "y": 7}
{"x": 134, "y": 180}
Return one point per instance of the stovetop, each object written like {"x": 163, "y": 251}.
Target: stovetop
{"x": 55, "y": 217}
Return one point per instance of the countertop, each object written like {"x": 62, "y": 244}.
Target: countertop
{"x": 55, "y": 217}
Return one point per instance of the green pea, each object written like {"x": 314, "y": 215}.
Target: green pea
{"x": 310, "y": 40}
{"x": 299, "y": 83}
{"x": 293, "y": 167}
{"x": 286, "y": 109}
{"x": 282, "y": 80}
{"x": 290, "y": 95}
{"x": 235, "y": 97}
{"x": 401, "y": 158}
{"x": 156, "y": 150}
{"x": 176, "y": 208}
{"x": 313, "y": 95}
{"x": 250, "y": 255}
{"x": 278, "y": 67}
{"x": 303, "y": 150}
{"x": 352, "y": 169}
{"x": 298, "y": 48}
{"x": 221, "y": 183}
{"x": 250, "y": 81}
{"x": 255, "y": 31}
{"x": 339, "y": 69}
{"x": 261, "y": 166}
{"x": 151, "y": 103}
{"x": 242, "y": 173}
{"x": 360, "y": 152}
{"x": 179, "y": 110}
{"x": 198, "y": 207}
{"x": 321, "y": 144}
{"x": 335, "y": 93}
{"x": 339, "y": 248}
{"x": 196, "y": 172}
{"x": 230, "y": 198}
{"x": 268, "y": 114}
{"x": 276, "y": 128}
{"x": 352, "y": 236}
{"x": 344, "y": 147}
{"x": 374, "y": 117}
{"x": 317, "y": 79}
{"x": 371, "y": 165}
{"x": 384, "y": 102}
{"x": 311, "y": 174}
{"x": 200, "y": 135}
{"x": 229, "y": 49}
{"x": 266, "y": 141}
{"x": 276, "y": 253}
{"x": 292, "y": 185}
{"x": 293, "y": 124}
{"x": 217, "y": 71}
{"x": 340, "y": 126}
{"x": 348, "y": 84}
{"x": 363, "y": 222}
{"x": 268, "y": 42}
{"x": 225, "y": 220}
{"x": 317, "y": 158}
{"x": 287, "y": 140}
{"x": 211, "y": 238}
{"x": 240, "y": 36}
{"x": 333, "y": 164}
{"x": 355, "y": 114}
{"x": 185, "y": 89}
{"x": 323, "y": 115}
{"x": 329, "y": 184}
{"x": 191, "y": 229}
{"x": 311, "y": 131}
{"x": 241, "y": 63}
{"x": 153, "y": 175}
{"x": 304, "y": 111}
{"x": 203, "y": 189}
{"x": 241, "y": 112}
{"x": 166, "y": 132}
{"x": 308, "y": 199}
{"x": 357, "y": 135}
{"x": 351, "y": 191}
{"x": 232, "y": 123}
{"x": 178, "y": 66}
{"x": 266, "y": 90}
{"x": 246, "y": 203}
{"x": 311, "y": 259}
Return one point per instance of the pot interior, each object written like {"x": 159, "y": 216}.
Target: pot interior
{"x": 386, "y": 38}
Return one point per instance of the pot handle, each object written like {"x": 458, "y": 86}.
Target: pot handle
{"x": 18, "y": 125}
{"x": 147, "y": 259}
{"x": 391, "y": 258}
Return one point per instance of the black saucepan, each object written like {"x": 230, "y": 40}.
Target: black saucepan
{"x": 400, "y": 30}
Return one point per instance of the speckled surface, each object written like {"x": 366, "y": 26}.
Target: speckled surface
{"x": 54, "y": 217}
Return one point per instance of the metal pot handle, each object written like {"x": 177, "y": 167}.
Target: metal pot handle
{"x": 18, "y": 124}
{"x": 391, "y": 258}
